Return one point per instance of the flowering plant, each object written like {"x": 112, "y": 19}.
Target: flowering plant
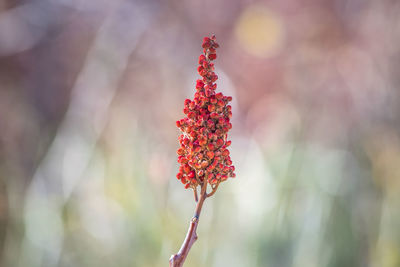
{"x": 203, "y": 153}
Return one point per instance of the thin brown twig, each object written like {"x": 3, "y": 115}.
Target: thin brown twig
{"x": 178, "y": 259}
{"x": 214, "y": 189}
{"x": 196, "y": 198}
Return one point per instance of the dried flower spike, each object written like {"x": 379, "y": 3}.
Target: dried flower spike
{"x": 203, "y": 154}
{"x": 205, "y": 128}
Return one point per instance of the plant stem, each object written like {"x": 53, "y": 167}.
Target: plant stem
{"x": 196, "y": 198}
{"x": 214, "y": 189}
{"x": 178, "y": 259}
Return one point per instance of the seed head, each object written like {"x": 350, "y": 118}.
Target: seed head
{"x": 203, "y": 152}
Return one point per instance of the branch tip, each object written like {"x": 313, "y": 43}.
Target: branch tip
{"x": 214, "y": 189}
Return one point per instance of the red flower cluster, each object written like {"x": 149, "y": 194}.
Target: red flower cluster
{"x": 203, "y": 154}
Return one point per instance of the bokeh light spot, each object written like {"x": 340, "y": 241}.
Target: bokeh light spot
{"x": 259, "y": 31}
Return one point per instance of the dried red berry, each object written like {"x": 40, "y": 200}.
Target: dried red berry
{"x": 199, "y": 84}
{"x": 204, "y": 164}
{"x": 202, "y": 142}
{"x": 211, "y": 108}
{"x": 180, "y": 151}
{"x": 212, "y": 56}
{"x": 210, "y": 146}
{"x": 220, "y": 142}
{"x": 191, "y": 174}
{"x": 186, "y": 168}
{"x": 219, "y": 96}
{"x": 202, "y": 58}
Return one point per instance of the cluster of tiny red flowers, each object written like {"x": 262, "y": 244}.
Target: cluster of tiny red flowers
{"x": 204, "y": 154}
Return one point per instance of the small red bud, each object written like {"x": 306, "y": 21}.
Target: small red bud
{"x": 191, "y": 174}
{"x": 199, "y": 84}
{"x": 186, "y": 141}
{"x": 180, "y": 159}
{"x": 186, "y": 168}
{"x": 206, "y": 45}
{"x": 213, "y": 115}
{"x": 212, "y": 56}
{"x": 215, "y": 163}
{"x": 180, "y": 151}
{"x": 225, "y": 153}
{"x": 210, "y": 146}
{"x": 204, "y": 164}
{"x": 202, "y": 142}
{"x": 220, "y": 142}
{"x": 202, "y": 58}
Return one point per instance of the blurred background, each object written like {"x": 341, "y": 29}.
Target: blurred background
{"x": 89, "y": 95}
